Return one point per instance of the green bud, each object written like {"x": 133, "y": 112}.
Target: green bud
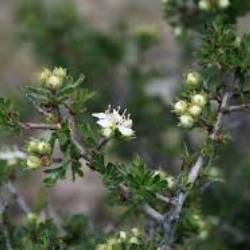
{"x": 193, "y": 79}
{"x": 199, "y": 99}
{"x": 53, "y": 82}
{"x": 186, "y": 121}
{"x": 44, "y": 148}
{"x": 33, "y": 162}
{"x": 32, "y": 146}
{"x": 60, "y": 72}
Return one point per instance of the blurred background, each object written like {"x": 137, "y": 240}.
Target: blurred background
{"x": 131, "y": 58}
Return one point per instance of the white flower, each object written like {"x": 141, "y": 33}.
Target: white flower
{"x": 223, "y": 4}
{"x": 112, "y": 121}
{"x": 180, "y": 107}
{"x": 195, "y": 110}
{"x": 193, "y": 79}
{"x": 186, "y": 121}
{"x": 199, "y": 99}
{"x": 204, "y": 5}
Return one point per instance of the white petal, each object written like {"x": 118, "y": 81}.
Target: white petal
{"x": 116, "y": 117}
{"x": 126, "y": 131}
{"x": 127, "y": 123}
{"x": 99, "y": 115}
{"x": 104, "y": 123}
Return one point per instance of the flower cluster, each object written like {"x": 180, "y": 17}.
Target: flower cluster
{"x": 39, "y": 152}
{"x": 125, "y": 240}
{"x": 112, "y": 120}
{"x": 53, "y": 80}
{"x": 208, "y": 5}
{"x": 190, "y": 110}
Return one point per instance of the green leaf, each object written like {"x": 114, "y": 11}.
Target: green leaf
{"x": 9, "y": 117}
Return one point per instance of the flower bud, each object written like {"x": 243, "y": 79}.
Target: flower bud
{"x": 32, "y": 218}
{"x": 33, "y": 162}
{"x": 180, "y": 107}
{"x": 199, "y": 99}
{"x": 43, "y": 148}
{"x": 171, "y": 182}
{"x": 195, "y": 110}
{"x": 32, "y": 146}
{"x": 135, "y": 231}
{"x": 123, "y": 235}
{"x": 186, "y": 121}
{"x": 134, "y": 241}
{"x": 178, "y": 31}
{"x": 193, "y": 79}
{"x": 53, "y": 82}
{"x": 60, "y": 72}
{"x": 238, "y": 41}
{"x": 204, "y": 5}
{"x": 223, "y": 4}
{"x": 44, "y": 75}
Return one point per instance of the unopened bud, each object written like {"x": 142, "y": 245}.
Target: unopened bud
{"x": 54, "y": 82}
{"x": 33, "y": 162}
{"x": 204, "y": 5}
{"x": 223, "y": 4}
{"x": 195, "y": 110}
{"x": 186, "y": 121}
{"x": 199, "y": 99}
{"x": 193, "y": 79}
{"x": 180, "y": 107}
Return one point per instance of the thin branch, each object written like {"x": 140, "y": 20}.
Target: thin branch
{"x": 152, "y": 213}
{"x": 38, "y": 108}
{"x": 18, "y": 198}
{"x": 236, "y": 108}
{"x": 42, "y": 126}
{"x": 3, "y": 207}
{"x": 164, "y": 199}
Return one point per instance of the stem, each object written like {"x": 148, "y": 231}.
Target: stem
{"x": 4, "y": 226}
{"x": 30, "y": 125}
{"x": 236, "y": 108}
{"x": 18, "y": 198}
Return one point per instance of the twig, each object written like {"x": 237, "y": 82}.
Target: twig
{"x": 152, "y": 213}
{"x": 18, "y": 198}
{"x": 164, "y": 199}
{"x": 39, "y": 108}
{"x": 236, "y": 108}
{"x": 42, "y": 126}
{"x": 3, "y": 207}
